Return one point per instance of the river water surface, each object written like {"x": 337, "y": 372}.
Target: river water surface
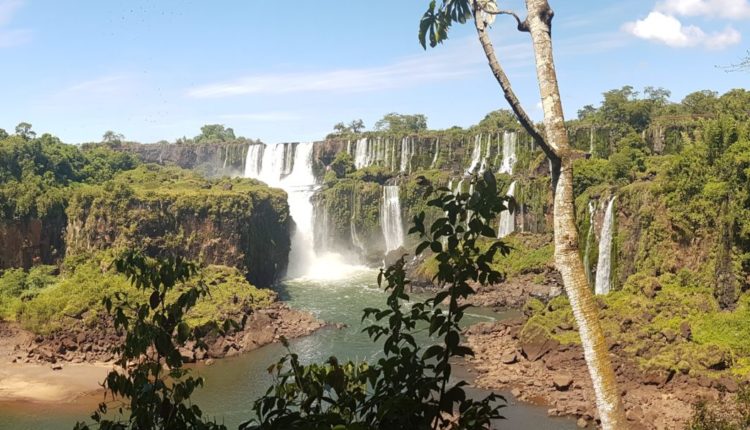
{"x": 233, "y": 383}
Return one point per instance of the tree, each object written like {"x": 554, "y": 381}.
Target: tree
{"x": 433, "y": 29}
{"x": 3, "y": 134}
{"x": 501, "y": 119}
{"x": 111, "y": 138}
{"x": 701, "y": 102}
{"x": 356, "y": 126}
{"x": 215, "y": 133}
{"x": 398, "y": 123}
{"x": 24, "y": 130}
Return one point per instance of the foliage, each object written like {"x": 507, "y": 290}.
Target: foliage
{"x": 36, "y": 174}
{"x": 501, "y": 119}
{"x": 401, "y": 123}
{"x": 155, "y": 385}
{"x": 44, "y": 303}
{"x": 409, "y": 387}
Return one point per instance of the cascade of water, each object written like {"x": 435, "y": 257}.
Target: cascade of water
{"x": 589, "y": 240}
{"x": 254, "y": 160}
{"x": 437, "y": 152}
{"x": 299, "y": 184}
{"x": 507, "y": 224}
{"x": 509, "y": 152}
{"x": 390, "y": 218}
{"x": 349, "y": 147}
{"x": 393, "y": 155}
{"x": 226, "y": 157}
{"x": 404, "y": 166}
{"x": 356, "y": 241}
{"x": 591, "y": 142}
{"x": 360, "y": 153}
{"x": 604, "y": 265}
{"x": 486, "y": 158}
{"x": 289, "y": 151}
{"x": 476, "y": 154}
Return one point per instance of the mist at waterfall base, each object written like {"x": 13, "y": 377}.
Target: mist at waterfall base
{"x": 289, "y": 166}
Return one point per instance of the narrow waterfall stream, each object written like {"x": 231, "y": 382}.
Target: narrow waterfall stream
{"x": 507, "y": 224}
{"x": 390, "y": 218}
{"x": 509, "y": 152}
{"x": 589, "y": 241}
{"x": 476, "y": 155}
{"x": 604, "y": 265}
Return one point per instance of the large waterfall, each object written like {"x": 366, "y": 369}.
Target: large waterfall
{"x": 289, "y": 166}
{"x": 437, "y": 153}
{"x": 509, "y": 152}
{"x": 604, "y": 265}
{"x": 390, "y": 218}
{"x": 507, "y": 223}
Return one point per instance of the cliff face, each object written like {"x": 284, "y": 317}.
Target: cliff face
{"x": 30, "y": 242}
{"x": 210, "y": 159}
{"x": 239, "y": 223}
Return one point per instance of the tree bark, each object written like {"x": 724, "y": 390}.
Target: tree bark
{"x": 567, "y": 255}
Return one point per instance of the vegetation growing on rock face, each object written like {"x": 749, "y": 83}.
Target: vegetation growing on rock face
{"x": 235, "y": 222}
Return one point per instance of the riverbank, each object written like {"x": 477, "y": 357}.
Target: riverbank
{"x": 542, "y": 371}
{"x": 63, "y": 367}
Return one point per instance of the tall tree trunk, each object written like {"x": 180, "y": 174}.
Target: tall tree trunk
{"x": 567, "y": 255}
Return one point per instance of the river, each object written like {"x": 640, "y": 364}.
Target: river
{"x": 233, "y": 383}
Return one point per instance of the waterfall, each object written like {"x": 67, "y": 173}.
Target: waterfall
{"x": 361, "y": 154}
{"x": 437, "y": 152}
{"x": 591, "y": 141}
{"x": 507, "y": 224}
{"x": 589, "y": 240}
{"x": 406, "y": 151}
{"x": 476, "y": 154}
{"x": 604, "y": 265}
{"x": 390, "y": 218}
{"x": 349, "y": 147}
{"x": 289, "y": 167}
{"x": 509, "y": 152}
{"x": 356, "y": 241}
{"x": 486, "y": 158}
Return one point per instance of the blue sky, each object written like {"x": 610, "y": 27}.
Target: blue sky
{"x": 284, "y": 71}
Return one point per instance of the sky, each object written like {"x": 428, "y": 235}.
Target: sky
{"x": 288, "y": 71}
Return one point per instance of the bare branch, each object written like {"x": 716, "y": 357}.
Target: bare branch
{"x": 508, "y": 92}
{"x": 522, "y": 24}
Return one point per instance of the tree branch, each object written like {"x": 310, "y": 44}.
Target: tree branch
{"x": 508, "y": 92}
{"x": 522, "y": 24}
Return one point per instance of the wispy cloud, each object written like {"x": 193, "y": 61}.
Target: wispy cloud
{"x": 455, "y": 60}
{"x": 10, "y": 37}
{"x": 408, "y": 72}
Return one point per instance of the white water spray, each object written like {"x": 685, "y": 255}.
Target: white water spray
{"x": 604, "y": 265}
{"x": 390, "y": 218}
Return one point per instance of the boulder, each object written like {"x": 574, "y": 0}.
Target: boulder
{"x": 685, "y": 330}
{"x": 535, "y": 343}
{"x": 582, "y": 423}
{"x": 509, "y": 358}
{"x": 562, "y": 381}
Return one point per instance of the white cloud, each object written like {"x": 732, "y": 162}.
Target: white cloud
{"x": 728, "y": 9}
{"x": 667, "y": 29}
{"x": 10, "y": 37}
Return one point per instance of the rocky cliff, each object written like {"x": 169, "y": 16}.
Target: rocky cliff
{"x": 238, "y": 223}
{"x": 210, "y": 159}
